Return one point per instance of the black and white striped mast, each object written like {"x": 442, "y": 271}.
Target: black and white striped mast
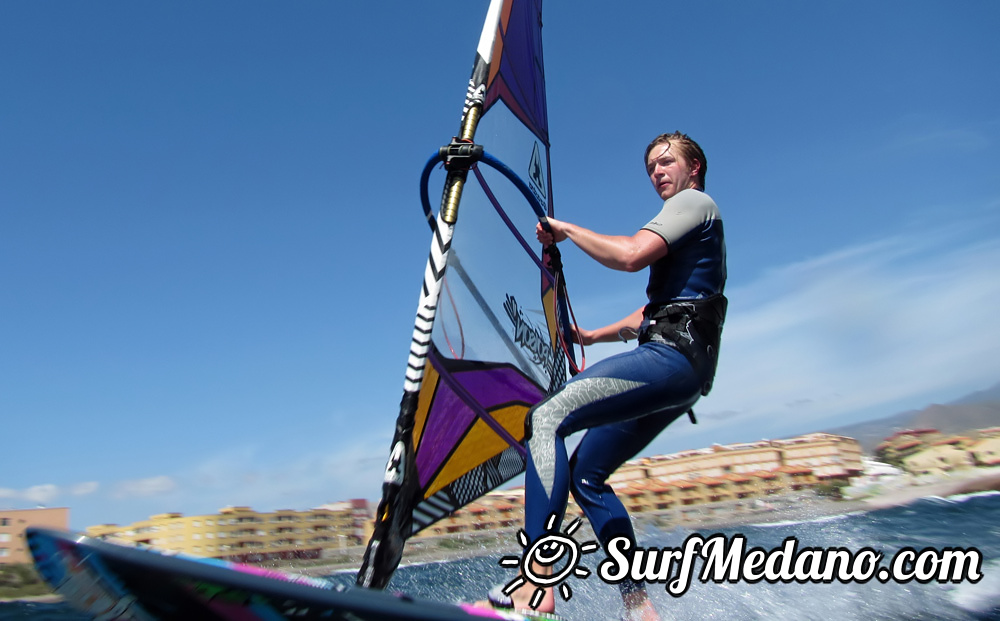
{"x": 383, "y": 554}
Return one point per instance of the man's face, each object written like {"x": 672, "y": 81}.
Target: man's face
{"x": 669, "y": 172}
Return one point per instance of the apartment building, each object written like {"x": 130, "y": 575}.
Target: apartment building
{"x": 243, "y": 535}
{"x": 930, "y": 452}
{"x": 497, "y": 510}
{"x": 825, "y": 456}
{"x": 13, "y": 523}
{"x": 986, "y": 452}
{"x": 828, "y": 456}
{"x": 937, "y": 459}
{"x": 710, "y": 462}
{"x": 904, "y": 443}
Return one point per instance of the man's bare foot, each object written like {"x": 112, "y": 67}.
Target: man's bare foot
{"x": 522, "y": 598}
{"x": 639, "y": 608}
{"x": 527, "y": 594}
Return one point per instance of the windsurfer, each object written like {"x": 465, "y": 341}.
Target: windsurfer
{"x": 626, "y": 400}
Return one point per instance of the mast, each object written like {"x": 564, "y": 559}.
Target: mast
{"x": 393, "y": 520}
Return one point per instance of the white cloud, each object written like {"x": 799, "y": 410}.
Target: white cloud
{"x": 872, "y": 325}
{"x": 46, "y": 493}
{"x": 152, "y": 486}
{"x": 257, "y": 476}
{"x": 84, "y": 489}
{"x": 955, "y": 139}
{"x": 41, "y": 494}
{"x": 330, "y": 470}
{"x": 918, "y": 134}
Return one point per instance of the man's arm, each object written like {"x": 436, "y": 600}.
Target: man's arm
{"x": 609, "y": 333}
{"x": 619, "y": 252}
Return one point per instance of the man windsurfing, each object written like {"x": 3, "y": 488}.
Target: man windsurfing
{"x": 626, "y": 400}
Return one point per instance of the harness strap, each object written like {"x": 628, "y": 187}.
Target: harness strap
{"x": 693, "y": 327}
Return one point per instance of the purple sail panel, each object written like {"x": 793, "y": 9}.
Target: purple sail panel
{"x": 520, "y": 82}
{"x": 447, "y": 421}
{"x": 450, "y": 417}
{"x": 499, "y": 386}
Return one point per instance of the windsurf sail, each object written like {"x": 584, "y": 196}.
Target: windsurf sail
{"x": 492, "y": 326}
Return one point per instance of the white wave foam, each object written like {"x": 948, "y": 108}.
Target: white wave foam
{"x": 965, "y": 497}
{"x": 941, "y": 500}
{"x": 819, "y": 520}
{"x": 982, "y": 596}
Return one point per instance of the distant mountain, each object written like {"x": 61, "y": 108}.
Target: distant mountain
{"x": 990, "y": 395}
{"x": 975, "y": 411}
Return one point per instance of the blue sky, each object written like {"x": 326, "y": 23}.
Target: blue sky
{"x": 211, "y": 244}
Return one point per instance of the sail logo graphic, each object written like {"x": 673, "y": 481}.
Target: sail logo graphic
{"x": 394, "y": 467}
{"x": 536, "y": 174}
{"x": 530, "y": 337}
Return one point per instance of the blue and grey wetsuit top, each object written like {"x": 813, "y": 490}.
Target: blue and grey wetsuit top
{"x": 695, "y": 264}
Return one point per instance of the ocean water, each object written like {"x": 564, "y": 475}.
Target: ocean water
{"x": 958, "y": 522}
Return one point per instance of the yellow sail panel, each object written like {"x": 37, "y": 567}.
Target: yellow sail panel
{"x": 548, "y": 304}
{"x": 481, "y": 443}
{"x": 424, "y": 401}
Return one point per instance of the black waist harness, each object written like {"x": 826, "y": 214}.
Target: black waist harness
{"x": 693, "y": 327}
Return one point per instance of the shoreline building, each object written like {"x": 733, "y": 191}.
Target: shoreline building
{"x": 243, "y": 535}
{"x": 13, "y": 546}
{"x": 929, "y": 452}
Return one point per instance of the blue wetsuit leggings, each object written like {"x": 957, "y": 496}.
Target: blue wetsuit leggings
{"x": 623, "y": 402}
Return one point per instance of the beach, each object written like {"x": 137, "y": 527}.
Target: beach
{"x": 960, "y": 482}
{"x": 51, "y": 598}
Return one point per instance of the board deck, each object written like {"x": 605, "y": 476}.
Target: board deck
{"x": 113, "y": 581}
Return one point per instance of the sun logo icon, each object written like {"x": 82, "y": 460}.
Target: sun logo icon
{"x": 549, "y": 561}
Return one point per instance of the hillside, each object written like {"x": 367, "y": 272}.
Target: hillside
{"x": 975, "y": 411}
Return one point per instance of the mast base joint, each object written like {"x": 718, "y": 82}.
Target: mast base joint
{"x": 460, "y": 155}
